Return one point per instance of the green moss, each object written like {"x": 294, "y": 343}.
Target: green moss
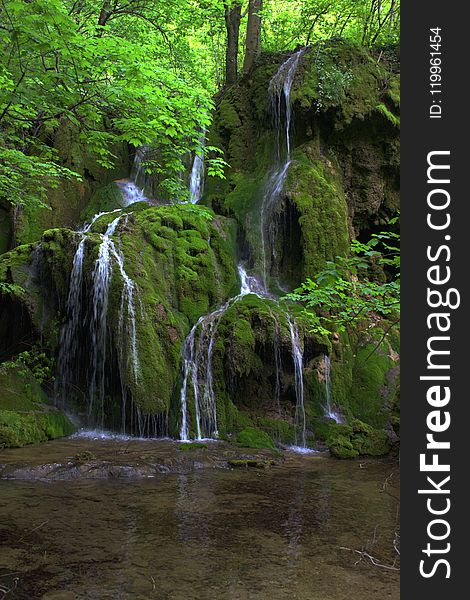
{"x": 394, "y": 120}
{"x": 104, "y": 199}
{"x": 371, "y": 387}
{"x": 254, "y": 438}
{"x": 70, "y": 198}
{"x": 357, "y": 439}
{"x": 345, "y": 77}
{"x": 19, "y": 390}
{"x": 279, "y": 430}
{"x": 314, "y": 187}
{"x": 20, "y": 429}
{"x": 192, "y": 447}
{"x": 26, "y": 416}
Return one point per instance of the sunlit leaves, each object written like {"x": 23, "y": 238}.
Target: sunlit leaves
{"x": 346, "y": 292}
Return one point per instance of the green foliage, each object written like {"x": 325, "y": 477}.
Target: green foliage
{"x": 33, "y": 361}
{"x": 11, "y": 288}
{"x": 366, "y": 22}
{"x": 60, "y": 66}
{"x": 345, "y": 292}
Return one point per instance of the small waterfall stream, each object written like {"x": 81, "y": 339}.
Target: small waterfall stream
{"x": 95, "y": 326}
{"x": 197, "y": 365}
{"x": 197, "y": 358}
{"x": 297, "y": 354}
{"x": 329, "y": 412}
{"x": 196, "y": 180}
{"x": 133, "y": 190}
{"x": 280, "y": 96}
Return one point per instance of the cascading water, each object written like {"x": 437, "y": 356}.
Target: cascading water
{"x": 69, "y": 344}
{"x": 96, "y": 325}
{"x": 280, "y": 95}
{"x": 196, "y": 181}
{"x": 197, "y": 365}
{"x": 133, "y": 190}
{"x": 127, "y": 326}
{"x": 329, "y": 412}
{"x": 197, "y": 357}
{"x": 297, "y": 353}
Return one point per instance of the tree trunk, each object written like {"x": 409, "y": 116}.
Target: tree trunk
{"x": 233, "y": 16}
{"x": 253, "y": 34}
{"x": 104, "y": 13}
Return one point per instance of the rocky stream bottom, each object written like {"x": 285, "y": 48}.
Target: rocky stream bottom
{"x": 84, "y": 518}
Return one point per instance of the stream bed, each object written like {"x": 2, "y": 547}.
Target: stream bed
{"x": 215, "y": 523}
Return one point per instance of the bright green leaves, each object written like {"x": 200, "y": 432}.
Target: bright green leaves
{"x": 110, "y": 85}
{"x": 23, "y": 178}
{"x": 350, "y": 290}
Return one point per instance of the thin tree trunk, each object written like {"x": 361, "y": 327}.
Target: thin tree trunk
{"x": 253, "y": 34}
{"x": 232, "y": 23}
{"x": 104, "y": 13}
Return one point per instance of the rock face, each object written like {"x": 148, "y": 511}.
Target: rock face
{"x": 122, "y": 297}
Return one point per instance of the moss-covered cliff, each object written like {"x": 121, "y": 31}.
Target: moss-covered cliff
{"x": 341, "y": 183}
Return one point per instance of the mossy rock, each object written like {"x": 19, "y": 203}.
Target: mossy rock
{"x": 105, "y": 199}
{"x": 19, "y": 429}
{"x": 68, "y": 200}
{"x": 192, "y": 447}
{"x": 19, "y": 390}
{"x": 356, "y": 439}
{"x": 254, "y": 438}
{"x": 26, "y": 416}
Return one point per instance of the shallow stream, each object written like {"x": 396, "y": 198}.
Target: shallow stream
{"x": 204, "y": 533}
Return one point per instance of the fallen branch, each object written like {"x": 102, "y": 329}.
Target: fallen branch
{"x": 373, "y": 560}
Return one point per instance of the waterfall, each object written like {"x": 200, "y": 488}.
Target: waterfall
{"x": 98, "y": 330}
{"x": 197, "y": 357}
{"x": 198, "y": 365}
{"x": 127, "y": 326}
{"x": 280, "y": 88}
{"x": 329, "y": 412}
{"x": 196, "y": 181}
{"x": 95, "y": 326}
{"x": 297, "y": 353}
{"x": 133, "y": 190}
{"x": 280, "y": 95}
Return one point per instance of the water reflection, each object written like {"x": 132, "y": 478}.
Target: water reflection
{"x": 204, "y": 535}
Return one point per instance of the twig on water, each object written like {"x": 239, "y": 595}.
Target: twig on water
{"x": 373, "y": 560}
{"x": 33, "y": 530}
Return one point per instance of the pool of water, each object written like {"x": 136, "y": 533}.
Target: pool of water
{"x": 236, "y": 534}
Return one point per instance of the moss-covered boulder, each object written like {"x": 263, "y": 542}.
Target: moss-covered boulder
{"x": 254, "y": 438}
{"x": 181, "y": 261}
{"x": 26, "y": 415}
{"x": 357, "y": 439}
{"x": 344, "y": 177}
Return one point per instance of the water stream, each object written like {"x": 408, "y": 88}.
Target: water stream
{"x": 205, "y": 534}
{"x": 280, "y": 100}
{"x": 198, "y": 356}
{"x": 329, "y": 411}
{"x": 96, "y": 326}
{"x": 196, "y": 181}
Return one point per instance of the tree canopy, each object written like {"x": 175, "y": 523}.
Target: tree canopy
{"x": 140, "y": 71}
